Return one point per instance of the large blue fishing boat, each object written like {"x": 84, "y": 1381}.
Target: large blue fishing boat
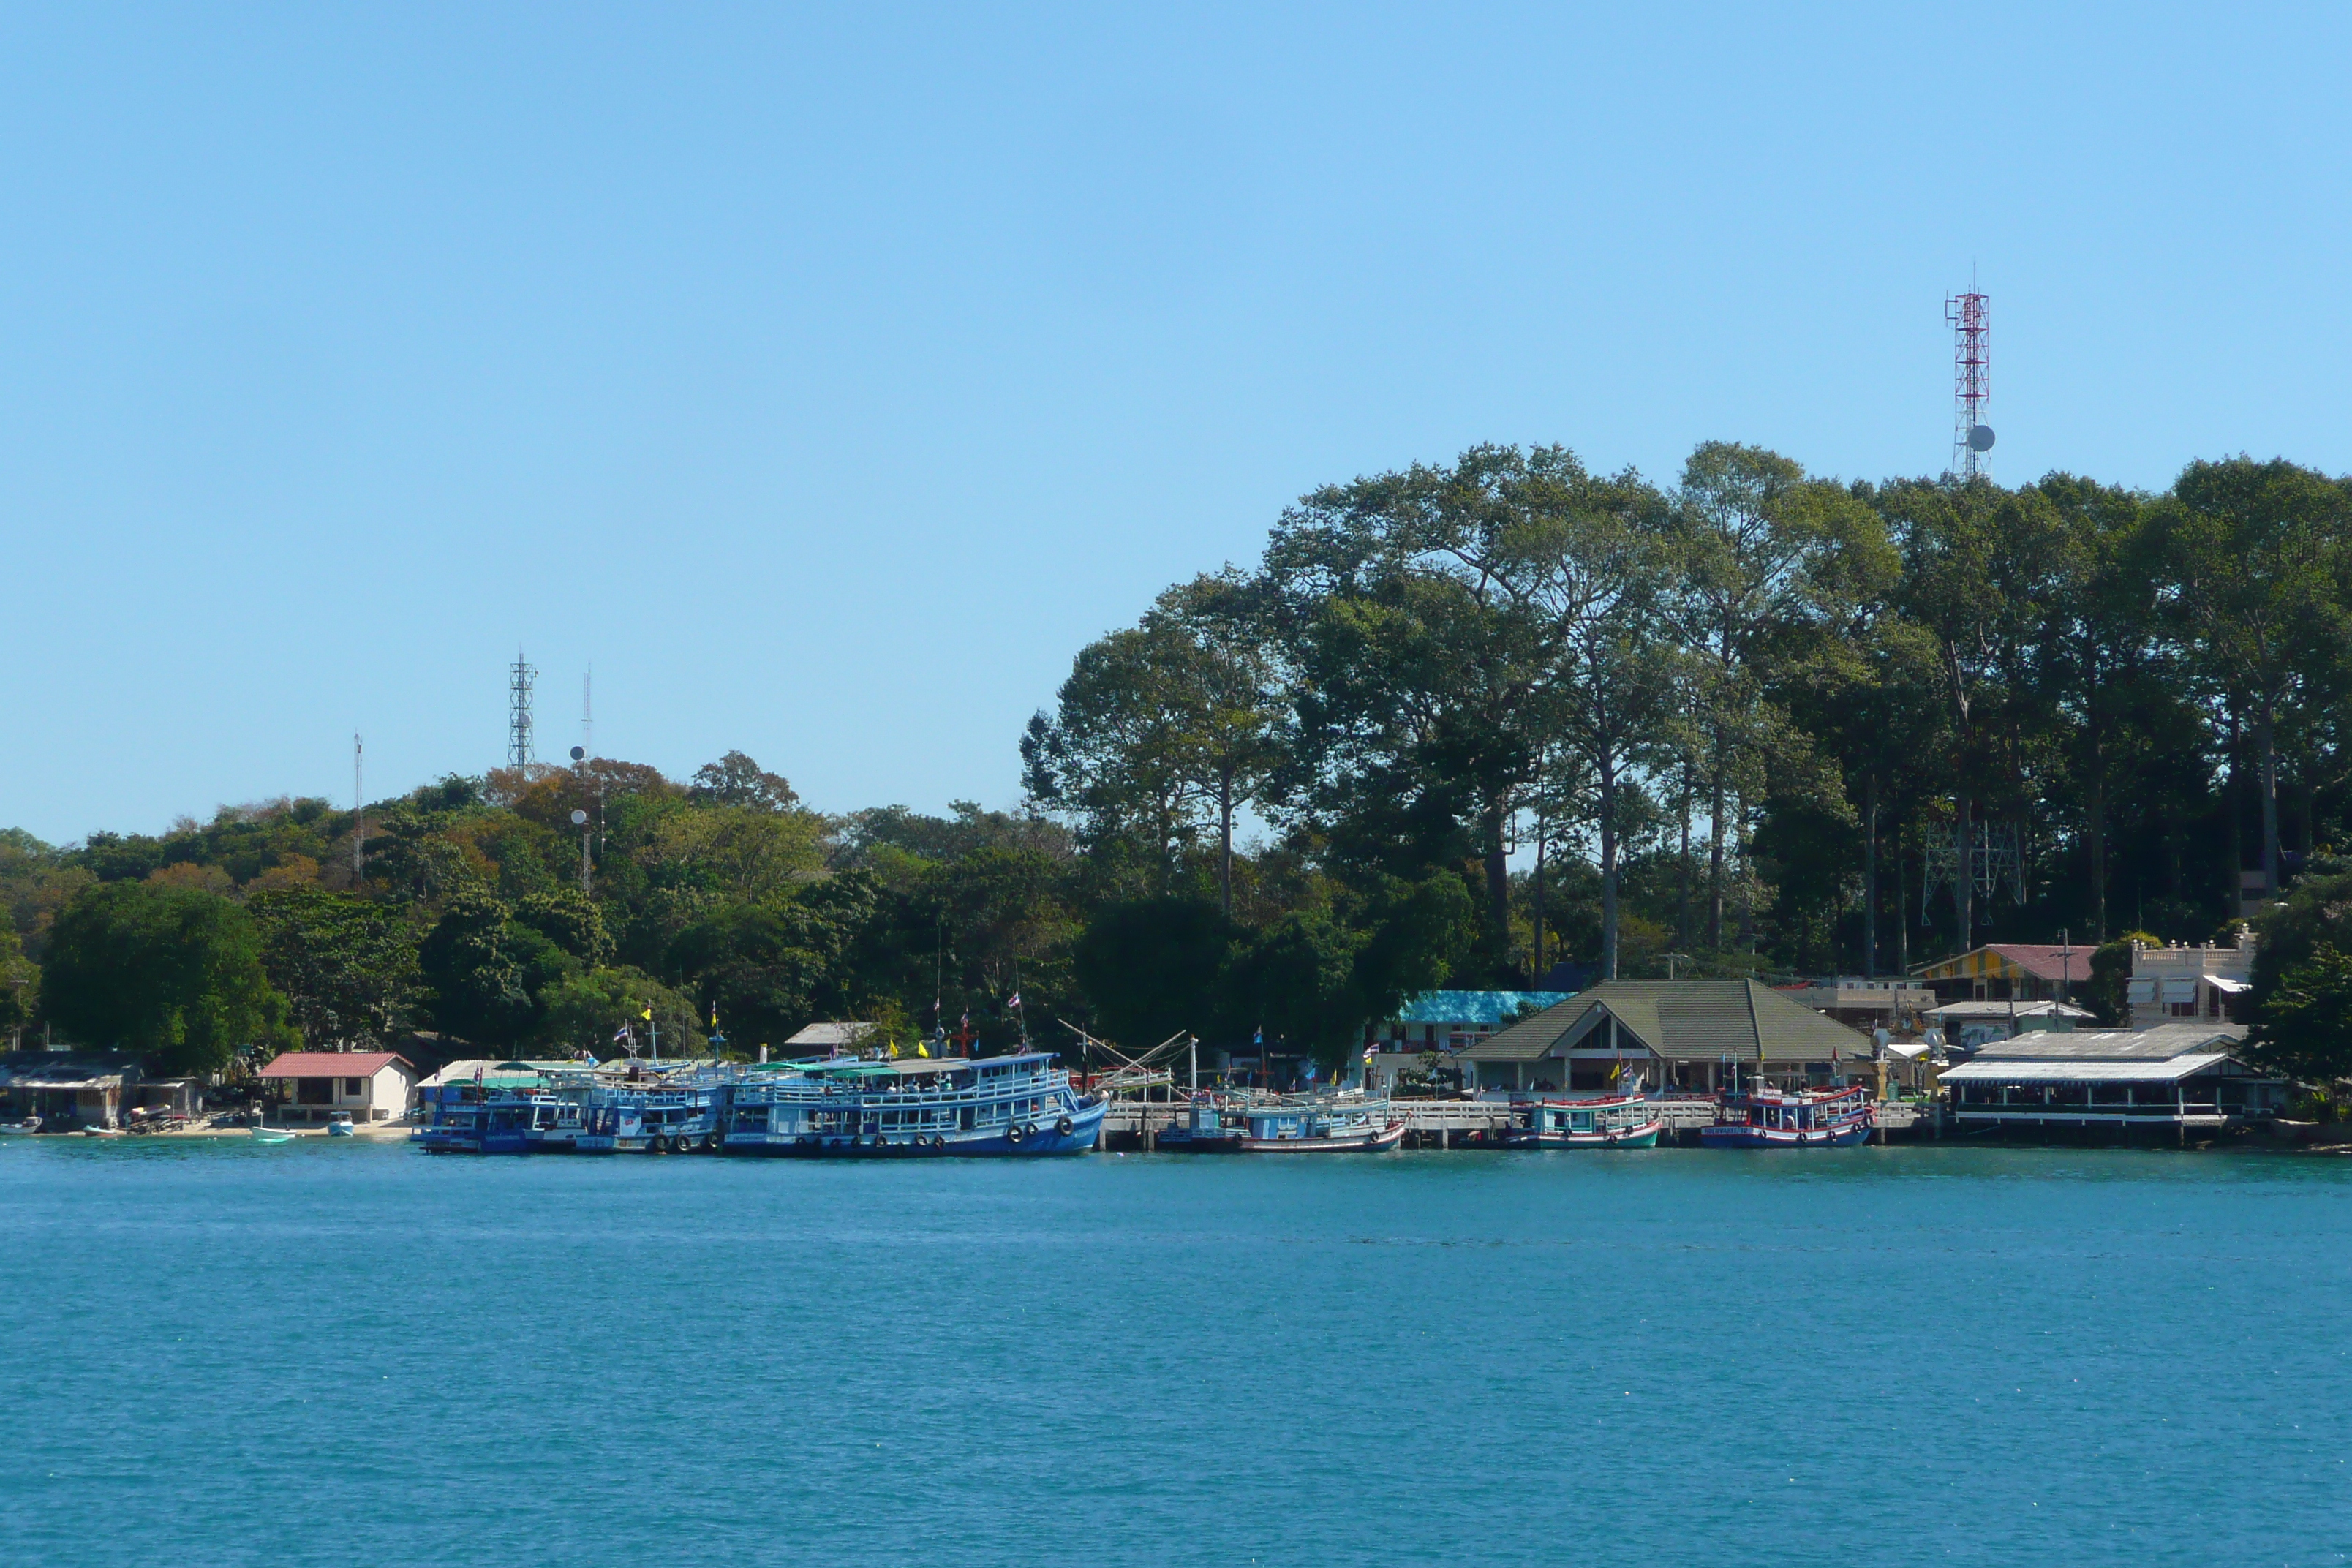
{"x": 652, "y": 1117}
{"x": 912, "y": 1107}
{"x": 467, "y": 1119}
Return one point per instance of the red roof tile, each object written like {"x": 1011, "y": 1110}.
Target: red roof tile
{"x": 332, "y": 1064}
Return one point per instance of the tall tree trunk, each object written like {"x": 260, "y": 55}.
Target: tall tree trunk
{"x": 1498, "y": 882}
{"x": 2266, "y": 736}
{"x": 2099, "y": 833}
{"x": 2235, "y": 812}
{"x": 1902, "y": 916}
{"x": 1715, "y": 861}
{"x": 1683, "y": 887}
{"x": 1870, "y": 877}
{"x": 1536, "y": 979}
{"x": 1608, "y": 866}
{"x": 1964, "y": 885}
{"x": 1225, "y": 840}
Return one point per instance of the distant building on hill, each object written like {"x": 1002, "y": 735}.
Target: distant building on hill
{"x": 2009, "y": 971}
{"x": 2176, "y": 982}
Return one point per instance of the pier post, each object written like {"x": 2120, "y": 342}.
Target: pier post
{"x": 1446, "y": 1137}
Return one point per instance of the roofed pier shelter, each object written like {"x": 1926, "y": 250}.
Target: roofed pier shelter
{"x": 1697, "y": 1036}
{"x": 2111, "y": 1086}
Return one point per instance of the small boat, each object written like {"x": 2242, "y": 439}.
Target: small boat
{"x": 1323, "y": 1127}
{"x": 1610, "y": 1121}
{"x": 1791, "y": 1119}
{"x": 1203, "y": 1130}
{"x": 272, "y": 1135}
{"x": 25, "y": 1129}
{"x": 338, "y": 1125}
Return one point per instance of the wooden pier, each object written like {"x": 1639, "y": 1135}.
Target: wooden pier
{"x": 1480, "y": 1125}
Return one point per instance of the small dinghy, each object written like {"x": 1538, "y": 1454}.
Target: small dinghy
{"x": 25, "y": 1129}
{"x": 272, "y": 1135}
{"x": 338, "y": 1125}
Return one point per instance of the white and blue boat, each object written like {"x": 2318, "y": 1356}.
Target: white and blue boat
{"x": 467, "y": 1119}
{"x": 1791, "y": 1119}
{"x": 654, "y": 1117}
{"x": 912, "y": 1107}
{"x": 1340, "y": 1125}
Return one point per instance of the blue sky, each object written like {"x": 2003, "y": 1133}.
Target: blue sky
{"x": 828, "y": 375}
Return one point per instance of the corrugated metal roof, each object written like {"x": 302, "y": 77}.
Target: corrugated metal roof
{"x": 1687, "y": 1020}
{"x": 2132, "y": 1071}
{"x": 332, "y": 1064}
{"x": 2043, "y": 961}
{"x": 2110, "y": 1045}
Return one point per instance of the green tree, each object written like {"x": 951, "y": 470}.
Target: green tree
{"x": 346, "y": 967}
{"x": 485, "y": 971}
{"x": 1153, "y": 967}
{"x": 586, "y": 1009}
{"x": 2305, "y": 1028}
{"x": 2258, "y": 555}
{"x": 170, "y": 974}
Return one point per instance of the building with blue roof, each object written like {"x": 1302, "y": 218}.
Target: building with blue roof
{"x": 1444, "y": 1022}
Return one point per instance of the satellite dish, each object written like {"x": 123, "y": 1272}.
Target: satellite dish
{"x": 580, "y": 752}
{"x": 1979, "y": 437}
{"x": 579, "y": 819}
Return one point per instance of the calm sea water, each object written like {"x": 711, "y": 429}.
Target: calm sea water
{"x": 353, "y": 1353}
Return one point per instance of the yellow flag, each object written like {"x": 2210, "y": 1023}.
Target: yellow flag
{"x": 922, "y": 1050}
{"x": 648, "y": 1013}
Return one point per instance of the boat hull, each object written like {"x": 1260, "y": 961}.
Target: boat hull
{"x": 1642, "y": 1137}
{"x": 1734, "y": 1136}
{"x": 1372, "y": 1141}
{"x": 1045, "y": 1139}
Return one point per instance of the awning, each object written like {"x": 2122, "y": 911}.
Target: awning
{"x": 2144, "y": 1071}
{"x": 2223, "y": 983}
{"x": 2180, "y": 991}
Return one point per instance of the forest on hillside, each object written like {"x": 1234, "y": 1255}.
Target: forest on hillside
{"x": 1462, "y": 723}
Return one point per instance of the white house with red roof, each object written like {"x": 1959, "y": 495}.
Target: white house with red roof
{"x": 372, "y": 1086}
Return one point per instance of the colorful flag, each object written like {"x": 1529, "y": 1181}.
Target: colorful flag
{"x": 1016, "y": 1000}
{"x": 922, "y": 1051}
{"x": 622, "y": 1032}
{"x": 648, "y": 1013}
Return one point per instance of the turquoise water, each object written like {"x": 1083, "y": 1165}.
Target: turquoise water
{"x": 345, "y": 1352}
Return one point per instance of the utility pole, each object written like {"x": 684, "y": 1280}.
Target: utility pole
{"x": 580, "y": 821}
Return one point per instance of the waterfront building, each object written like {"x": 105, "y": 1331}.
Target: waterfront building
{"x": 2179, "y": 981}
{"x": 1445, "y": 1022}
{"x": 66, "y": 1088}
{"x": 1967, "y": 1025}
{"x": 2120, "y": 1085}
{"x": 1696, "y": 1035}
{"x": 372, "y": 1086}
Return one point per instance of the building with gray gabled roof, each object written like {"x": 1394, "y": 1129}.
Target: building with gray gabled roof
{"x": 1683, "y": 1033}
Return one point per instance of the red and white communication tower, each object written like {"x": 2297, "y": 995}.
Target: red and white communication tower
{"x": 1971, "y": 378}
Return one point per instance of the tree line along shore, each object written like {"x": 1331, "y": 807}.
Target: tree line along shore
{"x": 1497, "y": 721}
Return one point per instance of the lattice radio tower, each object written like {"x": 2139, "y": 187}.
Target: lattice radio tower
{"x": 1971, "y": 383}
{"x": 519, "y": 754}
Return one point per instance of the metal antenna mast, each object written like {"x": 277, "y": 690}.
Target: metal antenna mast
{"x": 1971, "y": 383}
{"x": 587, "y": 711}
{"x": 519, "y": 754}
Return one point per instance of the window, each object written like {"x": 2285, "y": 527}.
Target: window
{"x": 354, "y": 1087}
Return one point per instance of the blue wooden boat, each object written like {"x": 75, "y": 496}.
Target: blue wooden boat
{"x": 912, "y": 1107}
{"x": 467, "y": 1119}
{"x": 1791, "y": 1119}
{"x": 1603, "y": 1122}
{"x": 658, "y": 1116}
{"x": 1207, "y": 1129}
{"x": 1333, "y": 1126}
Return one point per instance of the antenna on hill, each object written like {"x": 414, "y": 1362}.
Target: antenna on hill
{"x": 359, "y": 815}
{"x": 1971, "y": 382}
{"x": 587, "y": 711}
{"x": 518, "y": 738}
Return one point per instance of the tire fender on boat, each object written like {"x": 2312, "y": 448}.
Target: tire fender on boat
{"x": 1014, "y": 1133}
{"x": 1065, "y": 1126}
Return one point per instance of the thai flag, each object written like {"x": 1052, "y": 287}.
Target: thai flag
{"x": 1016, "y": 1000}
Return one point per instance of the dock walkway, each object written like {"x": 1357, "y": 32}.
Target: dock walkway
{"x": 1466, "y": 1123}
